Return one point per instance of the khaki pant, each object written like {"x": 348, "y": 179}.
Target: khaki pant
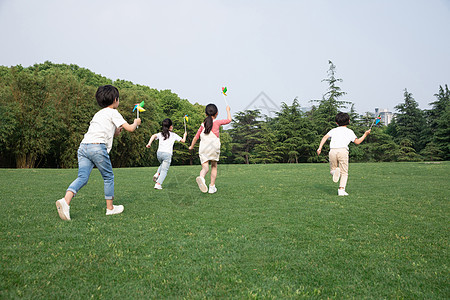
{"x": 339, "y": 158}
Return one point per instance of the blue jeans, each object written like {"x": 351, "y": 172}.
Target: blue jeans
{"x": 90, "y": 155}
{"x": 165, "y": 159}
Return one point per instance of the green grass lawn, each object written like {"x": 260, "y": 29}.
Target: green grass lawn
{"x": 271, "y": 231}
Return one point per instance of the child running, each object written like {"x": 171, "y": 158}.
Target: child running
{"x": 165, "y": 149}
{"x": 209, "y": 146}
{"x": 94, "y": 150}
{"x": 340, "y": 138}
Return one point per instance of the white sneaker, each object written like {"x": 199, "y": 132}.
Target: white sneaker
{"x": 117, "y": 209}
{"x": 342, "y": 192}
{"x": 212, "y": 189}
{"x": 158, "y": 186}
{"x": 201, "y": 184}
{"x": 336, "y": 174}
{"x": 63, "y": 209}
{"x": 155, "y": 177}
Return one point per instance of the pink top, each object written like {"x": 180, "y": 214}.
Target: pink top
{"x": 215, "y": 127}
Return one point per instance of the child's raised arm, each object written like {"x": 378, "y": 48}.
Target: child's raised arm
{"x": 151, "y": 140}
{"x": 361, "y": 139}
{"x": 184, "y": 137}
{"x": 228, "y": 108}
{"x": 322, "y": 142}
{"x": 132, "y": 127}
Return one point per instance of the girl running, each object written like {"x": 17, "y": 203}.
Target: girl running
{"x": 209, "y": 150}
{"x": 165, "y": 149}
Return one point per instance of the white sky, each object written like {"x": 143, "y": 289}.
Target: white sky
{"x": 279, "y": 47}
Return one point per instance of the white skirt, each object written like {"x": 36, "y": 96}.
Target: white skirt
{"x": 209, "y": 147}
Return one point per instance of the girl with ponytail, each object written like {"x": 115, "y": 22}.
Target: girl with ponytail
{"x": 165, "y": 149}
{"x": 209, "y": 150}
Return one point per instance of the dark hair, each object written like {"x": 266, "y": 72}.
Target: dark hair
{"x": 210, "y": 110}
{"x": 166, "y": 123}
{"x": 342, "y": 119}
{"x": 106, "y": 94}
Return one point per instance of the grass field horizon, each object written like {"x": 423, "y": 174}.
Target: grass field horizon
{"x": 271, "y": 231}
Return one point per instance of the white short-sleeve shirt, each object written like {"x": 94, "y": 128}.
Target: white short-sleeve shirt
{"x": 341, "y": 137}
{"x": 167, "y": 145}
{"x": 103, "y": 126}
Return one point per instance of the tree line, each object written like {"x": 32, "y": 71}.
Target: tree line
{"x": 45, "y": 110}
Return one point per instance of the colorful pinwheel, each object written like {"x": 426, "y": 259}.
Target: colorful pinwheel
{"x": 185, "y": 119}
{"x": 138, "y": 107}
{"x": 376, "y": 121}
{"x": 224, "y": 93}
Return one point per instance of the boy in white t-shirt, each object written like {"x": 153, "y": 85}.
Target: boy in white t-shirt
{"x": 165, "y": 149}
{"x": 340, "y": 138}
{"x": 94, "y": 150}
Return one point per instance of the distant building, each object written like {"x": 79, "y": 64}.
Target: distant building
{"x": 385, "y": 114}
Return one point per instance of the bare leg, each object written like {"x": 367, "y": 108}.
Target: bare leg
{"x": 109, "y": 204}
{"x": 213, "y": 172}
{"x": 205, "y": 169}
{"x": 68, "y": 197}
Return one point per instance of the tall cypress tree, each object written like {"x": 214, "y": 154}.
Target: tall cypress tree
{"x": 295, "y": 133}
{"x": 409, "y": 123}
{"x": 439, "y": 124}
{"x": 245, "y": 134}
{"x": 330, "y": 104}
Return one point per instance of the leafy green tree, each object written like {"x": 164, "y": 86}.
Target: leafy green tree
{"x": 8, "y": 120}
{"x": 226, "y": 153}
{"x": 74, "y": 107}
{"x": 409, "y": 123}
{"x": 432, "y": 152}
{"x": 129, "y": 147}
{"x": 169, "y": 102}
{"x": 245, "y": 134}
{"x": 439, "y": 126}
{"x": 323, "y": 116}
{"x": 33, "y": 135}
{"x": 330, "y": 104}
{"x": 269, "y": 150}
{"x": 378, "y": 146}
{"x": 295, "y": 133}
{"x": 438, "y": 107}
{"x": 196, "y": 115}
{"x": 45, "y": 110}
{"x": 83, "y": 75}
{"x": 354, "y": 116}
{"x": 442, "y": 134}
{"x": 407, "y": 152}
